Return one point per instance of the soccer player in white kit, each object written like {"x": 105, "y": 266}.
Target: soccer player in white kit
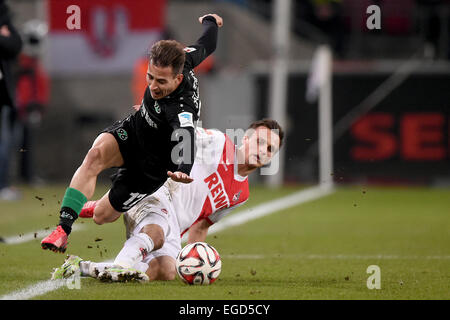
{"x": 154, "y": 226}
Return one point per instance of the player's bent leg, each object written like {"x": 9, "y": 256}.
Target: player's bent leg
{"x": 139, "y": 245}
{"x": 104, "y": 154}
{"x": 162, "y": 268}
{"x": 104, "y": 211}
{"x": 156, "y": 233}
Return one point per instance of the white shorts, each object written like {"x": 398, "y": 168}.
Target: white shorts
{"x": 156, "y": 209}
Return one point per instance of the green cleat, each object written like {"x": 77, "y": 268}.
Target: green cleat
{"x": 70, "y": 266}
{"x": 118, "y": 274}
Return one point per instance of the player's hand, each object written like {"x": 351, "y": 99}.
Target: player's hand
{"x": 219, "y": 20}
{"x": 137, "y": 107}
{"x": 179, "y": 177}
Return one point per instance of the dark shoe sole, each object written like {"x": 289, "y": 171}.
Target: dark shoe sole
{"x": 52, "y": 247}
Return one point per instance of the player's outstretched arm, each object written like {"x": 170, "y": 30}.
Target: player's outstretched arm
{"x": 208, "y": 39}
{"x": 207, "y": 42}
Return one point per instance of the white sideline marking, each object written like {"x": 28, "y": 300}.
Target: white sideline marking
{"x": 267, "y": 208}
{"x": 38, "y": 289}
{"x": 35, "y": 290}
{"x": 39, "y": 234}
{"x": 333, "y": 256}
{"x": 234, "y": 220}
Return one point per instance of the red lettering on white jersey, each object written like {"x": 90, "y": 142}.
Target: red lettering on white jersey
{"x": 217, "y": 195}
{"x": 225, "y": 189}
{"x": 216, "y": 190}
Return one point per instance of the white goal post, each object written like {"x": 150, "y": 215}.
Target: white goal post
{"x": 279, "y": 77}
{"x": 319, "y": 86}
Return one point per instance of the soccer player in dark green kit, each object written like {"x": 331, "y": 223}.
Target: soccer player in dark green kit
{"x": 141, "y": 145}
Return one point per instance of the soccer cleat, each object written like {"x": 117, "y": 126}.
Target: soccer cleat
{"x": 119, "y": 274}
{"x": 70, "y": 267}
{"x": 55, "y": 241}
{"x": 88, "y": 209}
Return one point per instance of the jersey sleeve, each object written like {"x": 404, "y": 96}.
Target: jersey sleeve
{"x": 205, "y": 45}
{"x": 216, "y": 216}
{"x": 181, "y": 119}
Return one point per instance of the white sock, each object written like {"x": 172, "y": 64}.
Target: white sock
{"x": 141, "y": 266}
{"x": 131, "y": 252}
{"x": 91, "y": 269}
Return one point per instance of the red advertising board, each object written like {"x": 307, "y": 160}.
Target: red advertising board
{"x": 102, "y": 36}
{"x": 404, "y": 138}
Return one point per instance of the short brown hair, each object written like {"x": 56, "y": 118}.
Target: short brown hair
{"x": 168, "y": 53}
{"x": 269, "y": 124}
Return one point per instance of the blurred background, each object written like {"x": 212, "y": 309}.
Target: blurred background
{"x": 390, "y": 86}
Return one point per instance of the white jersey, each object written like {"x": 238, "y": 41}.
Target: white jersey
{"x": 216, "y": 190}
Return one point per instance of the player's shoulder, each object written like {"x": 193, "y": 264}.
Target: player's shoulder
{"x": 210, "y": 143}
{"x": 192, "y": 52}
{"x": 147, "y": 96}
{"x": 179, "y": 109}
{"x": 210, "y": 133}
{"x": 175, "y": 104}
{"x": 172, "y": 100}
{"x": 190, "y": 49}
{"x": 179, "y": 101}
{"x": 241, "y": 192}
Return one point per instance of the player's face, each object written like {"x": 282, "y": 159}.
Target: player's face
{"x": 261, "y": 146}
{"x": 162, "y": 81}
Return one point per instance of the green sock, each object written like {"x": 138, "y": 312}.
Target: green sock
{"x": 72, "y": 204}
{"x": 74, "y": 200}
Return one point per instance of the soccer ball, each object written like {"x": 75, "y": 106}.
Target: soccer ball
{"x": 198, "y": 263}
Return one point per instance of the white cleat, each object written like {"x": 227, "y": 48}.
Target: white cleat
{"x": 70, "y": 267}
{"x": 119, "y": 274}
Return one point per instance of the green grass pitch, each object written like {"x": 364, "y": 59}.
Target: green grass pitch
{"x": 317, "y": 250}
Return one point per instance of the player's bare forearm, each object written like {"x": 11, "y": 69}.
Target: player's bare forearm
{"x": 198, "y": 232}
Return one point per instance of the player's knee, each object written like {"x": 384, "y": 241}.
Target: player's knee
{"x": 161, "y": 273}
{"x": 167, "y": 274}
{"x": 103, "y": 218}
{"x": 158, "y": 239}
{"x": 99, "y": 219}
{"x": 156, "y": 233}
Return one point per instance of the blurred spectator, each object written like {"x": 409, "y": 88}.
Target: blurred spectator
{"x": 435, "y": 17}
{"x": 139, "y": 82}
{"x": 325, "y": 15}
{"x": 10, "y": 46}
{"x": 32, "y": 94}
